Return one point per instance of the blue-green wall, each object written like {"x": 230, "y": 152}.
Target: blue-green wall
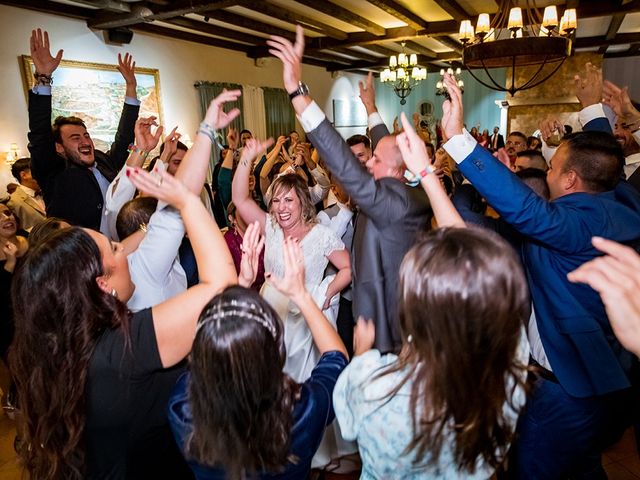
{"x": 478, "y": 101}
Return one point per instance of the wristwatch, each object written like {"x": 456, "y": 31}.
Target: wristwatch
{"x": 302, "y": 89}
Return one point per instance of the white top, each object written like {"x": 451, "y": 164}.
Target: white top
{"x": 155, "y": 267}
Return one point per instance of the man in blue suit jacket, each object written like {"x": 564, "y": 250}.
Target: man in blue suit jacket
{"x": 584, "y": 376}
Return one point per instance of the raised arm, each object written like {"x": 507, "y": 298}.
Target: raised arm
{"x": 45, "y": 163}
{"x": 416, "y": 157}
{"x": 292, "y": 285}
{"x": 245, "y": 204}
{"x": 193, "y": 168}
{"x": 380, "y": 204}
{"x": 175, "y": 319}
{"x": 119, "y": 151}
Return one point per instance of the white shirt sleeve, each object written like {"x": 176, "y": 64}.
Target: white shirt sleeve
{"x": 591, "y": 112}
{"x": 311, "y": 117}
{"x": 460, "y": 146}
{"x": 120, "y": 191}
{"x": 374, "y": 120}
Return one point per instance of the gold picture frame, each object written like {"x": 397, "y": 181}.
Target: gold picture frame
{"x": 95, "y": 93}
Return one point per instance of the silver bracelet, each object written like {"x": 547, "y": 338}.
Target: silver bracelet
{"x": 211, "y": 133}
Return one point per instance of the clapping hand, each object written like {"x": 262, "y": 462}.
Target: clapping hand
{"x": 127, "y": 67}
{"x": 291, "y": 56}
{"x": 252, "y": 148}
{"x": 620, "y": 102}
{"x": 44, "y": 62}
{"x": 252, "y": 245}
{"x": 170, "y": 145}
{"x": 10, "y": 251}
{"x": 589, "y": 87}
{"x": 162, "y": 186}
{"x": 413, "y": 149}
{"x": 292, "y": 283}
{"x": 452, "y": 112}
{"x": 145, "y": 140}
{"x": 216, "y": 116}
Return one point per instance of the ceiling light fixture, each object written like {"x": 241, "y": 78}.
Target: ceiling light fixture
{"x": 518, "y": 37}
{"x": 403, "y": 74}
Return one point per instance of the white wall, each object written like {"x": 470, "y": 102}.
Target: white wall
{"x": 180, "y": 64}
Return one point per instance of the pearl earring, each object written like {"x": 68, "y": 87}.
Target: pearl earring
{"x": 114, "y": 294}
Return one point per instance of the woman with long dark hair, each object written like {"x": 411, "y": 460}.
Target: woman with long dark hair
{"x": 446, "y": 406}
{"x": 93, "y": 379}
{"x": 237, "y": 414}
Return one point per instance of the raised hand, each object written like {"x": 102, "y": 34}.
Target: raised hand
{"x": 170, "y": 145}
{"x": 146, "y": 140}
{"x": 396, "y": 127}
{"x": 452, "y": 111}
{"x": 232, "y": 138}
{"x": 616, "y": 277}
{"x": 292, "y": 283}
{"x": 620, "y": 102}
{"x": 252, "y": 245}
{"x": 252, "y": 148}
{"x": 364, "y": 336}
{"x": 291, "y": 56}
{"x": 127, "y": 67}
{"x": 413, "y": 149}
{"x": 216, "y": 116}
{"x": 41, "y": 54}
{"x": 551, "y": 126}
{"x": 162, "y": 186}
{"x": 589, "y": 87}
{"x": 368, "y": 94}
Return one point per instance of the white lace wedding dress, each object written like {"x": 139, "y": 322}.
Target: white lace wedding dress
{"x": 302, "y": 355}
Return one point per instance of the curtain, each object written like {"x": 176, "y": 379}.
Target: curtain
{"x": 207, "y": 92}
{"x": 253, "y": 111}
{"x": 280, "y": 117}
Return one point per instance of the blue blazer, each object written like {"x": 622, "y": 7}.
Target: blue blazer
{"x": 583, "y": 352}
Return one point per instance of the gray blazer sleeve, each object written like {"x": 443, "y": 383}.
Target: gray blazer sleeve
{"x": 376, "y": 201}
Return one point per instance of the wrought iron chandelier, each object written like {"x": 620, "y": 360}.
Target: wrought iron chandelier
{"x": 518, "y": 37}
{"x": 403, "y": 73}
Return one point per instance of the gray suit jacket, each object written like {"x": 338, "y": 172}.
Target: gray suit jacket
{"x": 26, "y": 209}
{"x": 390, "y": 217}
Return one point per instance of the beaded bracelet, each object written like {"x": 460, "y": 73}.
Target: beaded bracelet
{"x": 43, "y": 79}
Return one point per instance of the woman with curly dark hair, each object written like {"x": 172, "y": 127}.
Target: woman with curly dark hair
{"x": 446, "y": 406}
{"x": 93, "y": 379}
{"x": 237, "y": 414}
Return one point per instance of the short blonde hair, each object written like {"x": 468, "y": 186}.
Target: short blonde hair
{"x": 290, "y": 181}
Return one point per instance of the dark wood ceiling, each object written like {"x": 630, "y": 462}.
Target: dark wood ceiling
{"x": 354, "y": 35}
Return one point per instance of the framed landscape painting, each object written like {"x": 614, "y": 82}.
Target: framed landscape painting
{"x": 95, "y": 93}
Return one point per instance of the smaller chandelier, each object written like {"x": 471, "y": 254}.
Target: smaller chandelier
{"x": 518, "y": 37}
{"x": 441, "y": 88}
{"x": 403, "y": 73}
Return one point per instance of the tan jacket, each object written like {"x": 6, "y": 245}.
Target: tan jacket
{"x": 26, "y": 209}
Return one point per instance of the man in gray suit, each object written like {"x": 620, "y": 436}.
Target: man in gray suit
{"x": 391, "y": 213}
{"x": 26, "y": 201}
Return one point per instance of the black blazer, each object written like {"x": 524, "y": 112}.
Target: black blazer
{"x": 71, "y": 191}
{"x": 390, "y": 216}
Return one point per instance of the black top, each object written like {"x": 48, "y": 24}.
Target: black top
{"x": 127, "y": 435}
{"x": 311, "y": 414}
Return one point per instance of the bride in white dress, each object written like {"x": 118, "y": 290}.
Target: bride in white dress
{"x": 291, "y": 214}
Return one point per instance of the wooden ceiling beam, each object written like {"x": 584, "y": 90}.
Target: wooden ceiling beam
{"x": 190, "y": 37}
{"x": 619, "y": 39}
{"x": 380, "y": 49}
{"x": 108, "y": 5}
{"x": 450, "y": 43}
{"x": 401, "y": 13}
{"x": 251, "y": 24}
{"x": 454, "y": 9}
{"x": 344, "y": 15}
{"x": 355, "y": 53}
{"x": 416, "y": 47}
{"x": 70, "y": 11}
{"x": 381, "y": 64}
{"x": 175, "y": 9}
{"x": 614, "y": 26}
{"x": 204, "y": 27}
{"x": 633, "y": 51}
{"x": 265, "y": 8}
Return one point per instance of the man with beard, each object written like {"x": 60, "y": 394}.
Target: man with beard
{"x": 73, "y": 175}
